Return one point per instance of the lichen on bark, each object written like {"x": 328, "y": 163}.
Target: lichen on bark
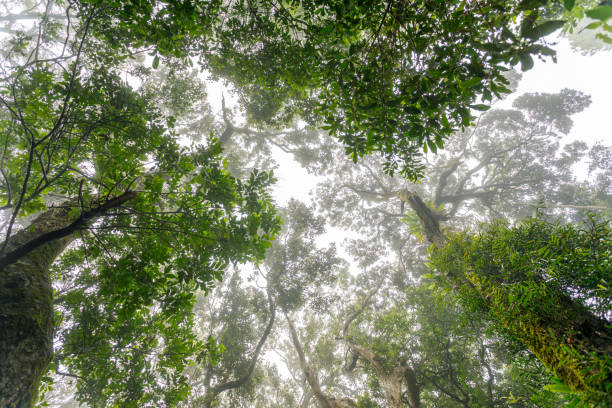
{"x": 26, "y": 296}
{"x": 26, "y": 311}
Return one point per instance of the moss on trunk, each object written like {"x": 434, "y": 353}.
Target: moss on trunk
{"x": 26, "y": 297}
{"x": 26, "y": 311}
{"x": 570, "y": 341}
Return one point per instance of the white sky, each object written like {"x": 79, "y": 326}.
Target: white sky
{"x": 589, "y": 74}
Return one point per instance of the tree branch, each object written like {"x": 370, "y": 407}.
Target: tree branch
{"x": 218, "y": 389}
{"x": 80, "y": 222}
{"x": 311, "y": 377}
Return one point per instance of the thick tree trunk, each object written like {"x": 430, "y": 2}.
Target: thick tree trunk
{"x": 26, "y": 311}
{"x": 26, "y": 298}
{"x": 572, "y": 343}
{"x": 568, "y": 339}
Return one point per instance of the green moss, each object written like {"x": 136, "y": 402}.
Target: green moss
{"x": 541, "y": 325}
{"x": 522, "y": 277}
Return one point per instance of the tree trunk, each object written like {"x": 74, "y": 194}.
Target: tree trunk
{"x": 311, "y": 377}
{"x": 390, "y": 381}
{"x": 428, "y": 218}
{"x": 212, "y": 395}
{"x": 571, "y": 342}
{"x": 574, "y": 344}
{"x": 26, "y": 298}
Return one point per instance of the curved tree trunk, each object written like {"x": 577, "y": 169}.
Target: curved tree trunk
{"x": 392, "y": 381}
{"x": 229, "y": 385}
{"x": 311, "y": 377}
{"x": 26, "y": 298}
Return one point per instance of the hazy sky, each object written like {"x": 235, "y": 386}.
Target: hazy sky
{"x": 589, "y": 74}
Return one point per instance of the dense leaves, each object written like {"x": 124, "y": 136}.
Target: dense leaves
{"x": 547, "y": 285}
{"x": 83, "y": 121}
{"x": 74, "y": 134}
{"x": 394, "y": 77}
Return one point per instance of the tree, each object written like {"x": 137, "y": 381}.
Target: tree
{"x": 508, "y": 164}
{"x": 394, "y": 77}
{"x": 292, "y": 274}
{"x": 490, "y": 172}
{"x": 518, "y": 149}
{"x": 140, "y": 222}
{"x": 241, "y": 319}
{"x": 544, "y": 283}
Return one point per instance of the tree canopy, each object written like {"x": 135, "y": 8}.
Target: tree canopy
{"x": 124, "y": 201}
{"x": 93, "y": 171}
{"x": 393, "y": 77}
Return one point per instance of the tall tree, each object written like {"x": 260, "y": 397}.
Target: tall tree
{"x": 489, "y": 172}
{"x": 509, "y": 163}
{"x": 292, "y": 274}
{"x": 539, "y": 280}
{"x": 99, "y": 170}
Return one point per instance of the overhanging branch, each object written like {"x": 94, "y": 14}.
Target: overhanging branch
{"x": 80, "y": 222}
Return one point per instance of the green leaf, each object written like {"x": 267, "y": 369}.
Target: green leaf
{"x": 155, "y": 62}
{"x": 602, "y": 13}
{"x": 526, "y": 62}
{"x": 569, "y": 4}
{"x": 480, "y": 107}
{"x": 530, "y": 4}
{"x": 471, "y": 83}
{"x": 543, "y": 29}
{"x": 593, "y": 25}
{"x": 558, "y": 387}
{"x": 604, "y": 38}
{"x": 432, "y": 146}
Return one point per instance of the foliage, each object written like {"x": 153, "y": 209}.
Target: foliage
{"x": 586, "y": 25}
{"x": 508, "y": 164}
{"x": 74, "y": 134}
{"x": 140, "y": 300}
{"x": 294, "y": 273}
{"x": 394, "y": 77}
{"x": 548, "y": 285}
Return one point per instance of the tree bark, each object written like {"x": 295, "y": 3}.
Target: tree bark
{"x": 311, "y": 377}
{"x": 26, "y": 298}
{"x": 573, "y": 344}
{"x": 429, "y": 219}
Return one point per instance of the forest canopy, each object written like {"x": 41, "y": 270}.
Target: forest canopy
{"x": 145, "y": 263}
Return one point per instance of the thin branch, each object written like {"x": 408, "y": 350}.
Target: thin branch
{"x": 242, "y": 380}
